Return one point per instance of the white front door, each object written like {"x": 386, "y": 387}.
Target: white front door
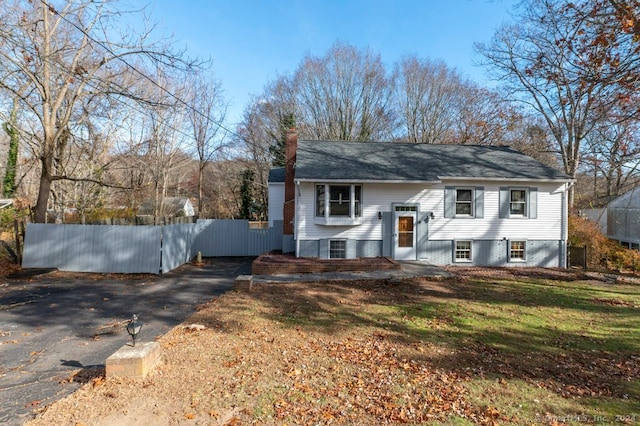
{"x": 404, "y": 235}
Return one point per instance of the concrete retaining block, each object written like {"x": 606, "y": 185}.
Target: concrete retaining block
{"x": 243, "y": 283}
{"x": 134, "y": 361}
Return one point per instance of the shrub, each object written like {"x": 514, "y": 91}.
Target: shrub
{"x": 18, "y": 211}
{"x": 601, "y": 251}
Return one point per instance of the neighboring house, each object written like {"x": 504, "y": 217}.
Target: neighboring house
{"x": 276, "y": 194}
{"x": 172, "y": 207}
{"x": 597, "y": 215}
{"x": 623, "y": 219}
{"x": 443, "y": 204}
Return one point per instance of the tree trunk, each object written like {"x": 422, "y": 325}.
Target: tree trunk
{"x": 40, "y": 210}
{"x": 200, "y": 190}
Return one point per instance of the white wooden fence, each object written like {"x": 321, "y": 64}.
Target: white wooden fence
{"x": 142, "y": 249}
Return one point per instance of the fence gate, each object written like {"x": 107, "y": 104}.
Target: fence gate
{"x": 577, "y": 257}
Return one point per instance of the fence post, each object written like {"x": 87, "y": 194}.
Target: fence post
{"x": 584, "y": 266}
{"x": 17, "y": 237}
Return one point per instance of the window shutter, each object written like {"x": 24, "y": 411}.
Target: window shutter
{"x": 504, "y": 202}
{"x": 449, "y": 201}
{"x": 387, "y": 231}
{"x": 533, "y": 203}
{"x": 324, "y": 249}
{"x": 479, "y": 202}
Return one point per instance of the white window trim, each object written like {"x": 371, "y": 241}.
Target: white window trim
{"x": 329, "y": 248}
{"x": 526, "y": 249}
{"x": 472, "y": 203}
{"x": 455, "y": 250}
{"x": 526, "y": 203}
{"x": 329, "y": 220}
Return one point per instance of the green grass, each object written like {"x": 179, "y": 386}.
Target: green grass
{"x": 543, "y": 350}
{"x": 531, "y": 316}
{"x": 528, "y": 322}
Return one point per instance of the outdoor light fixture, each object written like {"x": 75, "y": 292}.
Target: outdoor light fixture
{"x": 431, "y": 215}
{"x": 134, "y": 327}
{"x": 380, "y": 215}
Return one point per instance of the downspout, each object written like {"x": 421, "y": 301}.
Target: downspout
{"x": 296, "y": 219}
{"x": 565, "y": 224}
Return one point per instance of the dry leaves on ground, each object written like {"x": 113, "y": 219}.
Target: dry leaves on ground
{"x": 319, "y": 353}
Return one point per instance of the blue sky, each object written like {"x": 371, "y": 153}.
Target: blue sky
{"x": 253, "y": 41}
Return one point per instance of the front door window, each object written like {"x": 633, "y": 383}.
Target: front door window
{"x": 405, "y": 231}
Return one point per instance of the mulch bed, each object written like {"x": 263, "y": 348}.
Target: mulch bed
{"x": 278, "y": 263}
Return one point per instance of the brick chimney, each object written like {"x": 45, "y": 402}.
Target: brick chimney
{"x": 291, "y": 145}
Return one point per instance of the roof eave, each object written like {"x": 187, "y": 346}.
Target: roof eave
{"x": 355, "y": 180}
{"x": 499, "y": 179}
{"x": 440, "y": 180}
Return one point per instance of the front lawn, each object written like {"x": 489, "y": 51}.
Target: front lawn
{"x": 492, "y": 349}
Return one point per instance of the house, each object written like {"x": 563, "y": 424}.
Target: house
{"x": 275, "y": 183}
{"x": 171, "y": 207}
{"x": 623, "y": 219}
{"x": 444, "y": 204}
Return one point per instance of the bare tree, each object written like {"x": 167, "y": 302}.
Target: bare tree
{"x": 613, "y": 155}
{"x": 165, "y": 140}
{"x": 260, "y": 131}
{"x": 483, "y": 117}
{"x": 343, "y": 95}
{"x": 206, "y": 111}
{"x": 547, "y": 64}
{"x": 66, "y": 53}
{"x": 427, "y": 96}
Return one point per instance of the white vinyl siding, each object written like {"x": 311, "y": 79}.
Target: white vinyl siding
{"x": 276, "y": 202}
{"x": 430, "y": 198}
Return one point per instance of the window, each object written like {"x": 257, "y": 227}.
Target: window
{"x": 406, "y": 208}
{"x": 342, "y": 201}
{"x": 463, "y": 251}
{"x": 337, "y": 249}
{"x": 517, "y": 250}
{"x": 464, "y": 202}
{"x": 518, "y": 202}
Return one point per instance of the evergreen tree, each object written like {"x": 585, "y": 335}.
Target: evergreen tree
{"x": 247, "y": 206}
{"x": 278, "y": 150}
{"x": 9, "y": 181}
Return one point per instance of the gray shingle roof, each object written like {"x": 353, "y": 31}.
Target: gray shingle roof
{"x": 276, "y": 175}
{"x": 381, "y": 161}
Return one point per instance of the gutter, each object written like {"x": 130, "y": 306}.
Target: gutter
{"x": 497, "y": 179}
{"x": 439, "y": 180}
{"x": 366, "y": 181}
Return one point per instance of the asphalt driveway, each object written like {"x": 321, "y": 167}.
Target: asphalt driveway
{"x": 51, "y": 326}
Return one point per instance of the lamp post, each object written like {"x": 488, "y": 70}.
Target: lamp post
{"x": 134, "y": 327}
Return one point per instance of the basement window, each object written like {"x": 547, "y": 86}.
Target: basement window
{"x": 463, "y": 251}
{"x": 337, "y": 249}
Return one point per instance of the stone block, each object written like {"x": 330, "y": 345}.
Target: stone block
{"x": 134, "y": 361}
{"x": 243, "y": 283}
